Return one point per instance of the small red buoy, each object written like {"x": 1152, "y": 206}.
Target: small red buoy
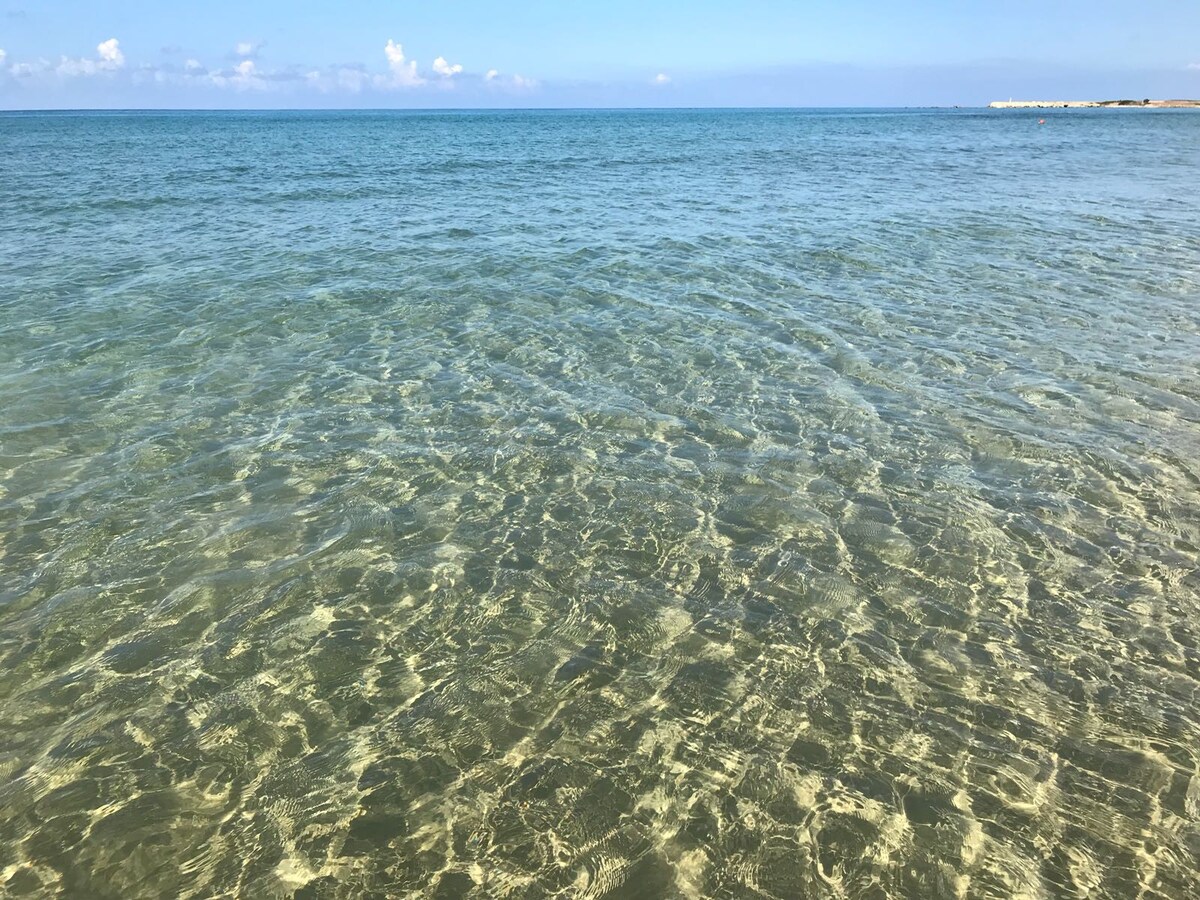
{"x": 1041, "y": 121}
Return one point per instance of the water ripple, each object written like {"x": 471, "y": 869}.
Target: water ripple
{"x": 568, "y": 504}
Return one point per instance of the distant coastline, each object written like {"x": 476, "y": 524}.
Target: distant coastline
{"x": 1093, "y": 104}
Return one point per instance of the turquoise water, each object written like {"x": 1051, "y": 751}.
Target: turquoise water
{"x": 690, "y": 504}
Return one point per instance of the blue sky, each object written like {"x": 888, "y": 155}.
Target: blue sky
{"x": 468, "y": 53}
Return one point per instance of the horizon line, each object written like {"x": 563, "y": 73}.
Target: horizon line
{"x": 417, "y": 109}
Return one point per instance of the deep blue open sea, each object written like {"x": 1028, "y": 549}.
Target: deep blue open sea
{"x": 691, "y": 504}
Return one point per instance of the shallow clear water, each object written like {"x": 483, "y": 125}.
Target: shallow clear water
{"x": 691, "y": 504}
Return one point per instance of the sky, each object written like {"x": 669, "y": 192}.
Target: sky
{"x": 57, "y": 54}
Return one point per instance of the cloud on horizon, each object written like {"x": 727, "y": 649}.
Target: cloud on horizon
{"x": 245, "y": 72}
{"x": 244, "y": 77}
{"x": 444, "y": 68}
{"x": 107, "y": 79}
{"x": 403, "y": 70}
{"x": 110, "y": 53}
{"x": 495, "y": 79}
{"x": 108, "y": 59}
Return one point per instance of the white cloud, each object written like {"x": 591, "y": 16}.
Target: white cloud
{"x": 1195, "y": 66}
{"x": 111, "y": 56}
{"x": 243, "y": 77}
{"x": 351, "y": 79}
{"x": 662, "y": 78}
{"x": 71, "y": 67}
{"x": 148, "y": 73}
{"x": 445, "y": 69}
{"x": 246, "y": 72}
{"x": 109, "y": 59}
{"x": 516, "y": 82}
{"x": 404, "y": 71}
{"x": 394, "y": 53}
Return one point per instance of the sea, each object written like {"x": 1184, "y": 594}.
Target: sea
{"x": 623, "y": 504}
